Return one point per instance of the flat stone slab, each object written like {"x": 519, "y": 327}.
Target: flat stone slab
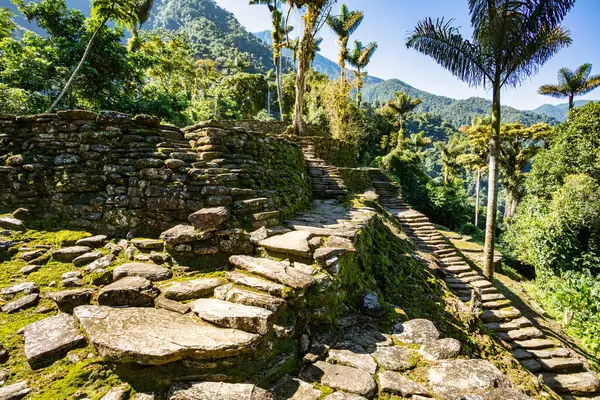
{"x": 14, "y": 392}
{"x": 394, "y": 383}
{"x": 180, "y": 234}
{"x": 394, "y": 358}
{"x": 25, "y": 288}
{"x": 502, "y": 315}
{"x": 278, "y": 271}
{"x": 87, "y": 258}
{"x": 217, "y": 391}
{"x": 289, "y": 388}
{"x": 504, "y": 394}
{"x": 509, "y": 326}
{"x": 148, "y": 244}
{"x": 117, "y": 393}
{"x": 561, "y": 364}
{"x": 294, "y": 243}
{"x": 191, "y": 289}
{"x": 209, "y": 218}
{"x": 352, "y": 355}
{"x": 231, "y": 315}
{"x": 151, "y": 336}
{"x": 92, "y": 241}
{"x": 51, "y": 338}
{"x": 130, "y": 291}
{"x": 441, "y": 349}
{"x": 416, "y": 331}
{"x": 12, "y": 224}
{"x": 254, "y": 282}
{"x": 22, "y": 303}
{"x": 171, "y": 305}
{"x": 534, "y": 343}
{"x": 67, "y": 300}
{"x": 149, "y": 271}
{"x": 344, "y": 396}
{"x": 68, "y": 254}
{"x": 463, "y": 376}
{"x": 340, "y": 377}
{"x": 368, "y": 337}
{"x": 248, "y": 298}
{"x": 579, "y": 383}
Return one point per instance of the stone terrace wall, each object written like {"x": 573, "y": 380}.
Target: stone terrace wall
{"x": 112, "y": 172}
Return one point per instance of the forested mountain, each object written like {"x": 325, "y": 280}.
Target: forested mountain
{"x": 215, "y": 33}
{"x": 558, "y": 111}
{"x": 456, "y": 112}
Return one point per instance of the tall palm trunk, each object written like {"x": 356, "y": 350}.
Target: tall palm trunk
{"x": 74, "y": 74}
{"x": 359, "y": 85}
{"x": 306, "y": 47}
{"x": 477, "y": 194}
{"x": 488, "y": 267}
{"x": 342, "y": 60}
{"x": 571, "y": 102}
{"x": 279, "y": 78}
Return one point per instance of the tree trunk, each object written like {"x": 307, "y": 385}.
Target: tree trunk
{"x": 280, "y": 87}
{"x": 571, "y": 102}
{"x": 477, "y": 194}
{"x": 342, "y": 60}
{"x": 490, "y": 224}
{"x": 74, "y": 74}
{"x": 304, "y": 56}
{"x": 359, "y": 85}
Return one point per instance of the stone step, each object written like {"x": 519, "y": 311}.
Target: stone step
{"x": 495, "y": 304}
{"x": 560, "y": 365}
{"x": 502, "y": 315}
{"x": 456, "y": 269}
{"x": 508, "y": 326}
{"x": 237, "y": 295}
{"x": 578, "y": 383}
{"x": 232, "y": 315}
{"x": 279, "y": 271}
{"x": 534, "y": 344}
{"x": 291, "y": 243}
{"x": 256, "y": 283}
{"x": 158, "y": 336}
{"x": 520, "y": 334}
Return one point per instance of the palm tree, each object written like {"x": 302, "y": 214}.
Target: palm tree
{"x": 511, "y": 40}
{"x": 140, "y": 16}
{"x": 277, "y": 39}
{"x": 449, "y": 156}
{"x": 314, "y": 18}
{"x": 343, "y": 26}
{"x": 359, "y": 58}
{"x": 571, "y": 84}
{"x": 478, "y": 137}
{"x": 417, "y": 141}
{"x": 402, "y": 106}
{"x": 123, "y": 12}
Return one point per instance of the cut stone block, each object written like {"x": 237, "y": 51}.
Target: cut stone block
{"x": 51, "y": 338}
{"x": 394, "y": 383}
{"x": 254, "y": 282}
{"x": 231, "y": 315}
{"x": 192, "y": 289}
{"x": 340, "y": 377}
{"x": 293, "y": 243}
{"x": 217, "y": 391}
{"x": 151, "y": 336}
{"x": 278, "y": 271}
{"x": 149, "y": 271}
{"x": 248, "y": 298}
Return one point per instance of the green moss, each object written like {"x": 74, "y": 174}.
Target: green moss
{"x": 54, "y": 238}
{"x": 325, "y": 390}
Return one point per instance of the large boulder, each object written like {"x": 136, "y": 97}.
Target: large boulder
{"x": 151, "y": 336}
{"x": 131, "y": 291}
{"x": 209, "y": 218}
{"x": 51, "y": 338}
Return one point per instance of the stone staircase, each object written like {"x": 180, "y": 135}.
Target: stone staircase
{"x": 558, "y": 367}
{"x": 326, "y": 180}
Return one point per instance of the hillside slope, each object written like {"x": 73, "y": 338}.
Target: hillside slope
{"x": 558, "y": 111}
{"x": 456, "y": 112}
{"x": 215, "y": 33}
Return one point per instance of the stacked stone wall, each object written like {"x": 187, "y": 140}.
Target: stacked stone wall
{"x": 112, "y": 172}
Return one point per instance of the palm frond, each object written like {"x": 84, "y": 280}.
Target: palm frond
{"x": 591, "y": 83}
{"x": 532, "y": 55}
{"x": 555, "y": 91}
{"x": 564, "y": 76}
{"x": 546, "y": 14}
{"x": 144, "y": 7}
{"x": 583, "y": 72}
{"x": 439, "y": 40}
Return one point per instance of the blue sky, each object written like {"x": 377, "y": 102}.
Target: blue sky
{"x": 388, "y": 21}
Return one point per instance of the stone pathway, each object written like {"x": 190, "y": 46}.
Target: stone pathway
{"x": 327, "y": 183}
{"x": 557, "y": 366}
